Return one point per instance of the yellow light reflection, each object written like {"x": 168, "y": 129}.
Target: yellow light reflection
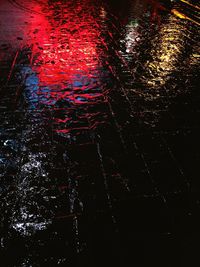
{"x": 188, "y": 3}
{"x": 183, "y": 16}
{"x": 169, "y": 46}
{"x": 194, "y": 58}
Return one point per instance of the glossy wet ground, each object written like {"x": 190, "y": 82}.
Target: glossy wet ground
{"x": 100, "y": 114}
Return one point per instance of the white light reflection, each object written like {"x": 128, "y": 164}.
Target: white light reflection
{"x": 132, "y": 36}
{"x": 103, "y": 13}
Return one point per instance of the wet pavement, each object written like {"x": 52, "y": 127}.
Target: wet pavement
{"x": 99, "y": 137}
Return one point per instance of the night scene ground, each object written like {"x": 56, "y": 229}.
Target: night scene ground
{"x": 99, "y": 133}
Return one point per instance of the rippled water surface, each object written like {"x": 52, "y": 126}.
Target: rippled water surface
{"x": 92, "y": 94}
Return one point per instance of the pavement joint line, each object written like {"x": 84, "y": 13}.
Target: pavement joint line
{"x": 12, "y": 67}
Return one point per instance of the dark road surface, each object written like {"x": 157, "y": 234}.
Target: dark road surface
{"x": 99, "y": 136}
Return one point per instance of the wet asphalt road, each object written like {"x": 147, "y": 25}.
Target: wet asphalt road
{"x": 99, "y": 112}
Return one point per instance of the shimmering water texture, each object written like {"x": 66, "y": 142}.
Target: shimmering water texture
{"x": 99, "y": 113}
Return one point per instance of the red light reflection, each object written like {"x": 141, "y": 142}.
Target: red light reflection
{"x": 65, "y": 58}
